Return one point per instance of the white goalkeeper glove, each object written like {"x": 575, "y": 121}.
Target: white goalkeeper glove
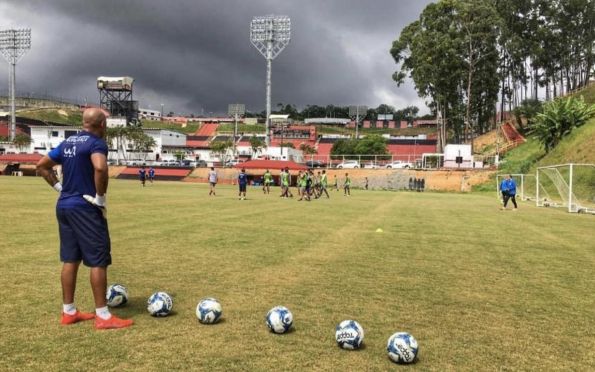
{"x": 58, "y": 187}
{"x": 98, "y": 201}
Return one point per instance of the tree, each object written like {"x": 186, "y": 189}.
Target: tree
{"x": 220, "y": 148}
{"x": 118, "y": 134}
{"x": 450, "y": 54}
{"x": 371, "y": 145}
{"x": 139, "y": 141}
{"x": 344, "y": 147}
{"x": 256, "y": 145}
{"x": 21, "y": 140}
{"x": 307, "y": 149}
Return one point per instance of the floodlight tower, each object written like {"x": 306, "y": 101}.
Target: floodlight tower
{"x": 235, "y": 110}
{"x": 270, "y": 35}
{"x": 13, "y": 45}
{"x": 357, "y": 112}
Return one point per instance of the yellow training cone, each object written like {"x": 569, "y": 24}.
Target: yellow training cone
{"x": 379, "y": 230}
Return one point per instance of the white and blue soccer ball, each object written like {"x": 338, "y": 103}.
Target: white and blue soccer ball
{"x": 208, "y": 311}
{"x": 116, "y": 295}
{"x": 279, "y": 319}
{"x": 160, "y": 304}
{"x": 349, "y": 334}
{"x": 402, "y": 348}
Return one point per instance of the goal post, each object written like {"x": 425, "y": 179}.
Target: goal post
{"x": 569, "y": 186}
{"x": 525, "y": 184}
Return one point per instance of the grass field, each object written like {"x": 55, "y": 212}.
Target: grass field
{"x": 480, "y": 289}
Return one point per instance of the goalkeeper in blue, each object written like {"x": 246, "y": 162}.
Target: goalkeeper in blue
{"x": 508, "y": 190}
{"x": 81, "y": 214}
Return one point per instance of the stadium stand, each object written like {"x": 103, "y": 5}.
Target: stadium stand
{"x": 512, "y": 134}
{"x": 207, "y": 129}
{"x": 197, "y": 141}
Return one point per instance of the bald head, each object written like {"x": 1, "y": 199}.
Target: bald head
{"x": 94, "y": 121}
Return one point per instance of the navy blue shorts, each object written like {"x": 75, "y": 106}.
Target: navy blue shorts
{"x": 84, "y": 236}
{"x": 242, "y": 188}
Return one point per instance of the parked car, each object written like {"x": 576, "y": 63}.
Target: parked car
{"x": 348, "y": 164}
{"x": 231, "y": 163}
{"x": 371, "y": 165}
{"x": 315, "y": 164}
{"x": 398, "y": 164}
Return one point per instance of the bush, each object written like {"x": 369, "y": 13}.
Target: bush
{"x": 559, "y": 118}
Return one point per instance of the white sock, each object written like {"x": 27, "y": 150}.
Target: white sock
{"x": 103, "y": 313}
{"x": 69, "y": 309}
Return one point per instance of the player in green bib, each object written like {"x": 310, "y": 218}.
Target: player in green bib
{"x": 324, "y": 184}
{"x": 267, "y": 181}
{"x": 347, "y": 185}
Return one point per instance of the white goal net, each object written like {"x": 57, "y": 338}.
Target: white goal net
{"x": 570, "y": 186}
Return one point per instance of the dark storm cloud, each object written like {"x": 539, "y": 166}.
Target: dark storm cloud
{"x": 196, "y": 55}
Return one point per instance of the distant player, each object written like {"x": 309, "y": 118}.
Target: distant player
{"x": 302, "y": 185}
{"x": 243, "y": 183}
{"x": 366, "y": 184}
{"x": 508, "y": 190}
{"x": 151, "y": 174}
{"x": 324, "y": 184}
{"x": 142, "y": 175}
{"x": 267, "y": 180}
{"x": 289, "y": 194}
{"x": 347, "y": 185}
{"x": 212, "y": 181}
{"x": 336, "y": 183}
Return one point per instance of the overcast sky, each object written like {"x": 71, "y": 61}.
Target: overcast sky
{"x": 195, "y": 56}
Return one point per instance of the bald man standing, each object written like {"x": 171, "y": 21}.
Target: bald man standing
{"x": 81, "y": 214}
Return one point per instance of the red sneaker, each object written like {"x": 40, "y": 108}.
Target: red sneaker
{"x": 76, "y": 317}
{"x": 113, "y": 322}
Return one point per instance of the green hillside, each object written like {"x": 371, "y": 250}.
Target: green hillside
{"x": 578, "y": 147}
{"x": 60, "y": 116}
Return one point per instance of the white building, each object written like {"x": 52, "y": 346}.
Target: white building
{"x": 459, "y": 156}
{"x": 148, "y": 114}
{"x": 167, "y": 143}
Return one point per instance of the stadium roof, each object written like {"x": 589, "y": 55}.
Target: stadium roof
{"x": 327, "y": 121}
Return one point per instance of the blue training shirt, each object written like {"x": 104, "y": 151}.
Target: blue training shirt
{"x": 511, "y": 186}
{"x": 243, "y": 179}
{"x": 78, "y": 173}
{"x": 503, "y": 185}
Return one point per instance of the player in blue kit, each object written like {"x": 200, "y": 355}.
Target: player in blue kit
{"x": 82, "y": 222}
{"x": 151, "y": 174}
{"x": 142, "y": 174}
{"x": 243, "y": 183}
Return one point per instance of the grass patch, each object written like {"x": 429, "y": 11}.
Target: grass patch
{"x": 60, "y": 116}
{"x": 479, "y": 288}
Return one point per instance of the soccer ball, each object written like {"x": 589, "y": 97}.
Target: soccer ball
{"x": 349, "y": 334}
{"x": 116, "y": 295}
{"x": 160, "y": 304}
{"x": 208, "y": 311}
{"x": 279, "y": 319}
{"x": 402, "y": 348}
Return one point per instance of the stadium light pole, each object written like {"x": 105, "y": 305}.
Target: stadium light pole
{"x": 357, "y": 112}
{"x": 13, "y": 45}
{"x": 270, "y": 35}
{"x": 235, "y": 110}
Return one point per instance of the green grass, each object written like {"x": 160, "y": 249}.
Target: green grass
{"x": 72, "y": 117}
{"x": 190, "y": 128}
{"x": 479, "y": 288}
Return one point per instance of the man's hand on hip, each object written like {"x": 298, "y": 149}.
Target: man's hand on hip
{"x": 99, "y": 202}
